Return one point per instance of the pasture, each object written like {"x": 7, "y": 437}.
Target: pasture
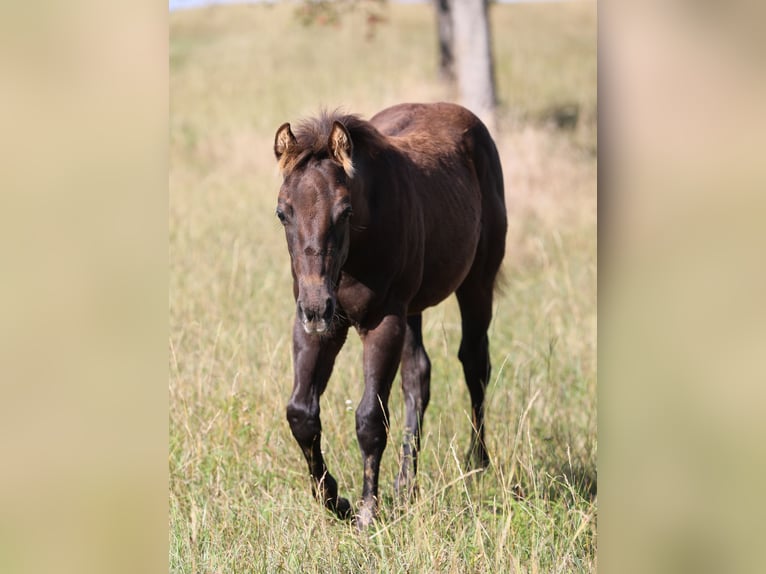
{"x": 239, "y": 489}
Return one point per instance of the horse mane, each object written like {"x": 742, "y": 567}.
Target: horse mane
{"x": 313, "y": 134}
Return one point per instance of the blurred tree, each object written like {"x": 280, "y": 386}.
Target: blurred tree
{"x": 446, "y": 41}
{"x": 474, "y": 66}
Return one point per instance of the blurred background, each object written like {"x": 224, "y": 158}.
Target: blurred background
{"x": 118, "y": 459}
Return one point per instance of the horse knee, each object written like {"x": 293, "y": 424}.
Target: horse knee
{"x": 304, "y": 423}
{"x": 371, "y": 428}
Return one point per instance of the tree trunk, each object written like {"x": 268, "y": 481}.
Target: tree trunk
{"x": 473, "y": 58}
{"x": 446, "y": 41}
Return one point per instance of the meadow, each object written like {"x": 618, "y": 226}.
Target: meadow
{"x": 238, "y": 487}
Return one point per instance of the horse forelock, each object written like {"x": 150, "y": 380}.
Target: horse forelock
{"x": 312, "y": 136}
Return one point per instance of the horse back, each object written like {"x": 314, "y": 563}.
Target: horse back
{"x": 446, "y": 145}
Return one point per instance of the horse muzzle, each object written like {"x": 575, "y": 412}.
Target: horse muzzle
{"x": 316, "y": 317}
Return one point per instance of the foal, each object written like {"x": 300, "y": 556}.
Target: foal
{"x": 384, "y": 219}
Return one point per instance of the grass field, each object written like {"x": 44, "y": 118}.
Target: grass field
{"x": 239, "y": 492}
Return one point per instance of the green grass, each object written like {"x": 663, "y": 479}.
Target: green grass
{"x": 239, "y": 494}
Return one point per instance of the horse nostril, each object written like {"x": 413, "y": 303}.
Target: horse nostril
{"x": 305, "y": 314}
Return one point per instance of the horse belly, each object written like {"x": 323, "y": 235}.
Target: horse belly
{"x": 448, "y": 258}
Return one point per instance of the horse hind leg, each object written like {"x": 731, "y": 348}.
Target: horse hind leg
{"x": 476, "y": 292}
{"x": 416, "y": 381}
{"x": 475, "y": 300}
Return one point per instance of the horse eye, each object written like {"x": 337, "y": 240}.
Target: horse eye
{"x": 345, "y": 214}
{"x": 281, "y": 215}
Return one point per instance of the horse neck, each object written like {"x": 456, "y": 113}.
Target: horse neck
{"x": 379, "y": 167}
{"x": 379, "y": 196}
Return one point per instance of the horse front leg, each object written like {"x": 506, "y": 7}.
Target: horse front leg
{"x": 313, "y": 361}
{"x": 382, "y": 353}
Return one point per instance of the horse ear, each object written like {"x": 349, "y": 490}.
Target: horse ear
{"x": 283, "y": 141}
{"x": 341, "y": 147}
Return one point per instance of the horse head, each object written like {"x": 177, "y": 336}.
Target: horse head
{"x": 314, "y": 206}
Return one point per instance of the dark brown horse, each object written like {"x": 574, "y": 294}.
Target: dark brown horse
{"x": 384, "y": 219}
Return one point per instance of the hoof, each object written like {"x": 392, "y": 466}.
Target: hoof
{"x": 364, "y": 518}
{"x": 342, "y": 508}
